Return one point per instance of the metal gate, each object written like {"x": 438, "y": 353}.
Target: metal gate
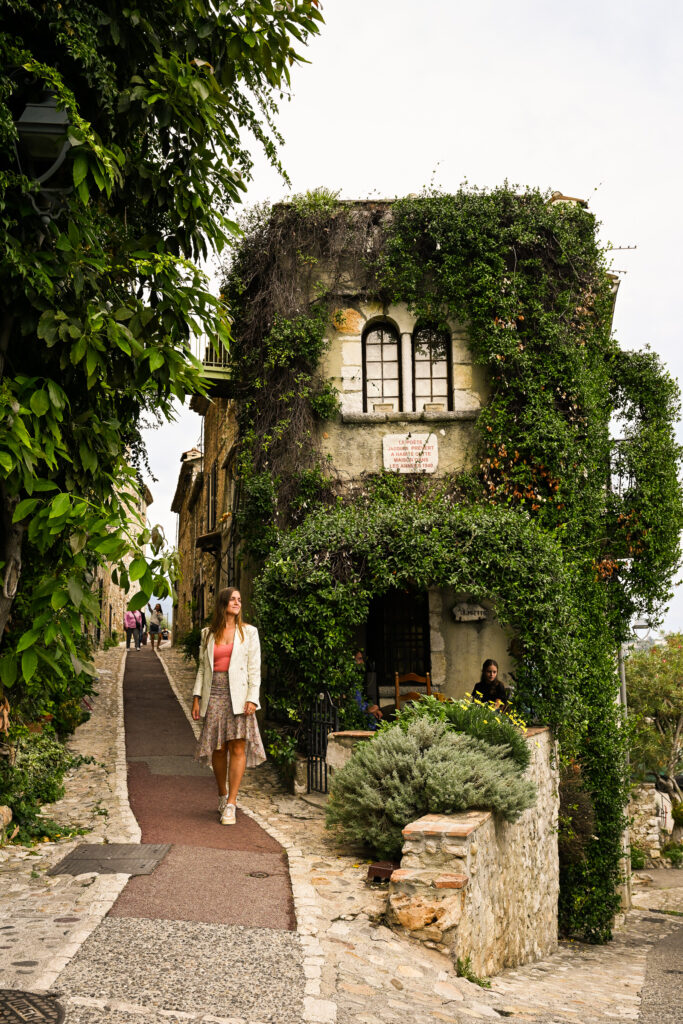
{"x": 323, "y": 718}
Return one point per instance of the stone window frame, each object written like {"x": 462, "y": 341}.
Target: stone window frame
{"x": 447, "y": 398}
{"x": 386, "y": 327}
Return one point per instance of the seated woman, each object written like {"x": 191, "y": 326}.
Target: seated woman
{"x": 489, "y": 689}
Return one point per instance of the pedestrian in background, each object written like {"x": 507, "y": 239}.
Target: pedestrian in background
{"x": 132, "y": 628}
{"x": 226, "y": 692}
{"x": 155, "y": 617}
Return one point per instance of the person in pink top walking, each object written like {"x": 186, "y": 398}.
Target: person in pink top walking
{"x": 226, "y": 694}
{"x": 131, "y": 622}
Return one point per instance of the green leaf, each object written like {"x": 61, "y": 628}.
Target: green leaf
{"x": 156, "y": 359}
{"x": 24, "y": 508}
{"x": 137, "y": 602}
{"x": 8, "y": 670}
{"x": 39, "y": 402}
{"x": 29, "y": 663}
{"x": 27, "y": 640}
{"x": 138, "y": 568}
{"x": 60, "y": 504}
{"x": 6, "y": 462}
{"x": 59, "y": 599}
{"x": 80, "y": 169}
{"x": 75, "y": 591}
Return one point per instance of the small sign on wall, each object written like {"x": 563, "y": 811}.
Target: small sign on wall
{"x": 466, "y": 612}
{"x": 410, "y": 453}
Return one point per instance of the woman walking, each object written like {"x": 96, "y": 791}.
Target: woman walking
{"x": 155, "y": 617}
{"x": 226, "y": 692}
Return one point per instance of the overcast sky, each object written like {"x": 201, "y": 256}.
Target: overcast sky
{"x": 582, "y": 98}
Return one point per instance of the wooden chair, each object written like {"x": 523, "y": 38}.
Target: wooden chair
{"x": 411, "y": 677}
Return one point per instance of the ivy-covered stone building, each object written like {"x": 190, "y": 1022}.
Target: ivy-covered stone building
{"x": 410, "y": 448}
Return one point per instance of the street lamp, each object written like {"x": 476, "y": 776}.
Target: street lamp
{"x": 42, "y": 148}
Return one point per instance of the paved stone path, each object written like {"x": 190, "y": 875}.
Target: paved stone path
{"x": 356, "y": 970}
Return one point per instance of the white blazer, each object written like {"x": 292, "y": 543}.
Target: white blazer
{"x": 244, "y": 672}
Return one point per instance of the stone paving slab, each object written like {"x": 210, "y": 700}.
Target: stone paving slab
{"x": 195, "y": 968}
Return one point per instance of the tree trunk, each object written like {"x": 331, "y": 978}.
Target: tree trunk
{"x": 11, "y": 537}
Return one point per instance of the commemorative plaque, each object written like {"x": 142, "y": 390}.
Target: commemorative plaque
{"x": 410, "y": 453}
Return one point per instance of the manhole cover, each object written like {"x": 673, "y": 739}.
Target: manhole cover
{"x": 23, "y": 1007}
{"x": 112, "y": 859}
{"x": 259, "y": 874}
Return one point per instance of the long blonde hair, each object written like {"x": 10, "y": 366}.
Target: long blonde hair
{"x": 220, "y": 612}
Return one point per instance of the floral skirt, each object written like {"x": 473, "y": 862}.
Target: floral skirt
{"x": 222, "y": 724}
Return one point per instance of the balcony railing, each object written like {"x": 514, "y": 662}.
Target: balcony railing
{"x": 216, "y": 363}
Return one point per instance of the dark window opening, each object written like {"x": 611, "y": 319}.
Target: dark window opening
{"x": 397, "y": 638}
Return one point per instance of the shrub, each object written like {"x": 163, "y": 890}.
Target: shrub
{"x": 34, "y": 778}
{"x": 476, "y": 719}
{"x": 189, "y": 644}
{"x": 402, "y": 774}
{"x": 281, "y": 749}
{"x": 674, "y": 853}
{"x": 677, "y": 813}
{"x": 637, "y": 857}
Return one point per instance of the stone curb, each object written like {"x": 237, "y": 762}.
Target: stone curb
{"x": 306, "y": 906}
{"x": 106, "y": 888}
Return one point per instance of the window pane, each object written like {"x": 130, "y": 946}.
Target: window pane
{"x": 391, "y": 371}
{"x": 423, "y": 388}
{"x": 374, "y": 389}
{"x": 390, "y": 351}
{"x": 440, "y": 388}
{"x": 421, "y": 370}
{"x": 390, "y": 389}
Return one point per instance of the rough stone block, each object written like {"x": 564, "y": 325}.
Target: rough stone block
{"x": 348, "y": 321}
{"x": 5, "y": 816}
{"x": 450, "y": 881}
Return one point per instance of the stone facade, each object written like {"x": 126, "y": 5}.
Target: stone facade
{"x": 433, "y": 404}
{"x": 204, "y": 501}
{"x": 478, "y": 887}
{"x": 112, "y": 599}
{"x": 651, "y": 823}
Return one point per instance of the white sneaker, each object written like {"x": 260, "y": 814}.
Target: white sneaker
{"x": 222, "y": 802}
{"x": 228, "y": 815}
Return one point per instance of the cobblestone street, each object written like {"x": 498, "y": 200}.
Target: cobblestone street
{"x": 356, "y": 970}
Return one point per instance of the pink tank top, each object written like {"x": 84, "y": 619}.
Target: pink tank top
{"x": 221, "y": 657}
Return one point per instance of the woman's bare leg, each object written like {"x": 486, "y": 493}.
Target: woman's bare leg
{"x": 219, "y": 763}
{"x": 238, "y": 762}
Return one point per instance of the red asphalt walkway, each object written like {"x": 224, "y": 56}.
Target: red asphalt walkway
{"x": 213, "y": 873}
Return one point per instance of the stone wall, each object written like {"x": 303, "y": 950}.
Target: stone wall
{"x": 475, "y": 886}
{"x": 651, "y": 822}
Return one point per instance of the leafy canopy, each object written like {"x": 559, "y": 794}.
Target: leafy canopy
{"x": 100, "y": 303}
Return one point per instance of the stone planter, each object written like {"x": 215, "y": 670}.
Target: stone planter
{"x": 341, "y": 745}
{"x": 475, "y": 886}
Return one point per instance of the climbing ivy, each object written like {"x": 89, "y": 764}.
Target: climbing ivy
{"x": 567, "y": 532}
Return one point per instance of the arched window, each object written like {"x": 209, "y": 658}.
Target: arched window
{"x": 381, "y": 367}
{"x": 432, "y": 371}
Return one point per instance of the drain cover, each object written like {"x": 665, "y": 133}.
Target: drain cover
{"x": 23, "y": 1007}
{"x": 259, "y": 874}
{"x": 112, "y": 859}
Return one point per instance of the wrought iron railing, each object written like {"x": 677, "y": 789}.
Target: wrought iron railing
{"x": 323, "y": 718}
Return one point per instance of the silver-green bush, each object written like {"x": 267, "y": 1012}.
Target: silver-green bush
{"x": 400, "y": 775}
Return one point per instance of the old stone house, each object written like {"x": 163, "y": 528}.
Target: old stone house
{"x": 408, "y": 402}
